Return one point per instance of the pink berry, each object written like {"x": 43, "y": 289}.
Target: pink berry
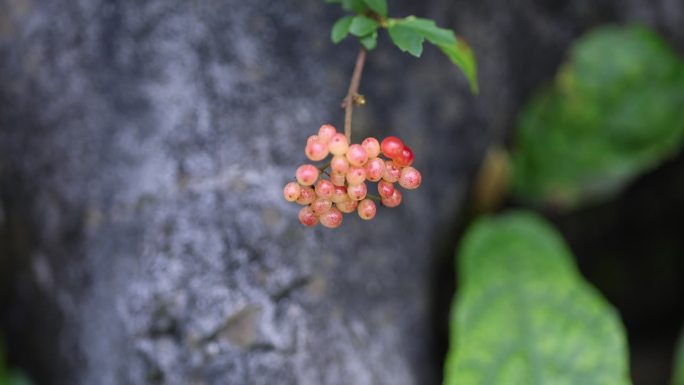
{"x": 291, "y": 191}
{"x": 340, "y": 195}
{"x": 356, "y": 155}
{"x": 307, "y": 196}
{"x": 307, "y": 217}
{"x": 347, "y": 206}
{"x": 338, "y": 144}
{"x": 339, "y": 164}
{"x": 337, "y": 179}
{"x": 405, "y": 158}
{"x": 410, "y": 178}
{"x": 356, "y": 175}
{"x": 326, "y": 132}
{"x": 372, "y": 147}
{"x": 374, "y": 169}
{"x": 331, "y": 218}
{"x": 394, "y": 200}
{"x": 385, "y": 189}
{"x": 367, "y": 209}
{"x": 392, "y": 146}
{"x": 321, "y": 205}
{"x": 325, "y": 189}
{"x": 316, "y": 149}
{"x": 392, "y": 172}
{"x": 307, "y": 174}
{"x": 357, "y": 191}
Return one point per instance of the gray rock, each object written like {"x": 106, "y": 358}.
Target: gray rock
{"x": 143, "y": 150}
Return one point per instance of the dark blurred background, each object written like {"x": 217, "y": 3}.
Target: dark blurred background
{"x": 144, "y": 145}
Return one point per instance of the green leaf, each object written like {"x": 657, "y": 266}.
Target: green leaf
{"x": 678, "y": 376}
{"x": 524, "y": 315}
{"x": 357, "y": 6}
{"x": 429, "y": 30}
{"x": 613, "y": 112}
{"x": 370, "y": 41}
{"x": 340, "y": 29}
{"x": 379, "y": 6}
{"x": 463, "y": 57}
{"x": 362, "y": 26}
{"x": 406, "y": 39}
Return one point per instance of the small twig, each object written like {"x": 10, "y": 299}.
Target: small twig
{"x": 374, "y": 197}
{"x": 323, "y": 167}
{"x": 353, "y": 92}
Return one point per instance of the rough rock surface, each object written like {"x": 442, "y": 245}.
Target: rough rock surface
{"x": 143, "y": 148}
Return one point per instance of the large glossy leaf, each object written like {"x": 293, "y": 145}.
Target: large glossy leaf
{"x": 613, "y": 112}
{"x": 678, "y": 375}
{"x": 524, "y": 315}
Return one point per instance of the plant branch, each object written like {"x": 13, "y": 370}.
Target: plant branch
{"x": 353, "y": 92}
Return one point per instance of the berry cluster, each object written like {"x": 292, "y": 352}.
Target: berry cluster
{"x": 326, "y": 195}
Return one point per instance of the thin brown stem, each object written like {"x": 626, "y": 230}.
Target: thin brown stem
{"x": 348, "y": 103}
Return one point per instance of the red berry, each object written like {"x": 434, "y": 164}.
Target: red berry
{"x": 392, "y": 146}
{"x": 307, "y": 217}
{"x": 316, "y": 149}
{"x": 347, "y": 206}
{"x": 338, "y": 144}
{"x": 374, "y": 169}
{"x": 357, "y": 191}
{"x": 321, "y": 205}
{"x": 325, "y": 189}
{"x": 307, "y": 196}
{"x": 338, "y": 180}
{"x": 367, "y": 209}
{"x": 326, "y": 132}
{"x": 307, "y": 174}
{"x": 394, "y": 200}
{"x": 385, "y": 189}
{"x": 372, "y": 147}
{"x": 406, "y": 157}
{"x": 332, "y": 218}
{"x": 291, "y": 191}
{"x": 392, "y": 172}
{"x": 410, "y": 178}
{"x": 339, "y": 164}
{"x": 356, "y": 155}
{"x": 340, "y": 195}
{"x": 356, "y": 175}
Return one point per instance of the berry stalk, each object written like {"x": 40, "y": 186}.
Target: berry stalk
{"x": 353, "y": 92}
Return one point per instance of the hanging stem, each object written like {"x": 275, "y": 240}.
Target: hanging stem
{"x": 353, "y": 92}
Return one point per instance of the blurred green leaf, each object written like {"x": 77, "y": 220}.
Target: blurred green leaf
{"x": 357, "y": 6}
{"x": 678, "y": 376}
{"x": 462, "y": 56}
{"x": 614, "y": 111}
{"x": 406, "y": 39}
{"x": 379, "y": 6}
{"x": 429, "y": 30}
{"x": 362, "y": 26}
{"x": 340, "y": 29}
{"x": 370, "y": 41}
{"x": 523, "y": 314}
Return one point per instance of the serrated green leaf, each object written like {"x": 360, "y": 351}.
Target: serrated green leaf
{"x": 613, "y": 112}
{"x": 362, "y": 26}
{"x": 524, "y": 315}
{"x": 429, "y": 30}
{"x": 379, "y": 6}
{"x": 370, "y": 41}
{"x": 357, "y": 6}
{"x": 463, "y": 57}
{"x": 678, "y": 375}
{"x": 406, "y": 39}
{"x": 340, "y": 29}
